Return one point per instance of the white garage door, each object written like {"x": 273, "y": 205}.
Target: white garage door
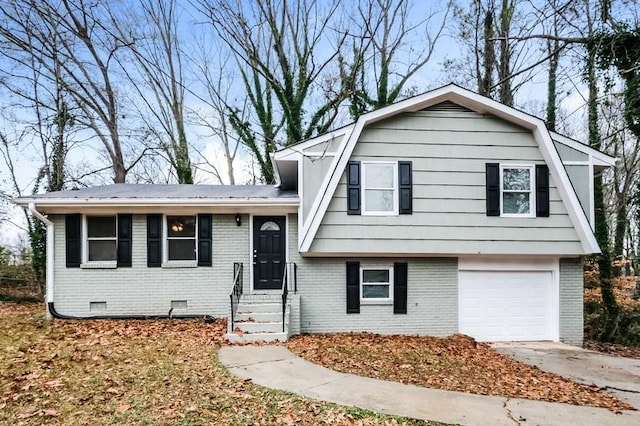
{"x": 499, "y": 306}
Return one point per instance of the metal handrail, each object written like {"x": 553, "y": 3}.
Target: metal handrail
{"x": 285, "y": 292}
{"x": 286, "y": 285}
{"x": 236, "y": 290}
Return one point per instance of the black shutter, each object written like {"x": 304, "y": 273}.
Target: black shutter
{"x": 73, "y": 240}
{"x": 406, "y": 192}
{"x": 542, "y": 190}
{"x": 204, "y": 240}
{"x": 154, "y": 240}
{"x": 493, "y": 189}
{"x": 353, "y": 287}
{"x": 353, "y": 187}
{"x": 399, "y": 288}
{"x": 124, "y": 240}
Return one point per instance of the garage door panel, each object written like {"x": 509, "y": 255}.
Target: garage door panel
{"x": 506, "y": 305}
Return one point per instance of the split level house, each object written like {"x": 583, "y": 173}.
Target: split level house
{"x": 445, "y": 213}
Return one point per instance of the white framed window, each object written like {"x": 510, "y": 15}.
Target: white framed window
{"x": 517, "y": 190}
{"x": 101, "y": 240}
{"x": 180, "y": 239}
{"x": 376, "y": 284}
{"x": 379, "y": 188}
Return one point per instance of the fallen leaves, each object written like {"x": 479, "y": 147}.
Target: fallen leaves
{"x": 623, "y": 288}
{"x": 138, "y": 372}
{"x": 456, "y": 363}
{"x": 612, "y": 349}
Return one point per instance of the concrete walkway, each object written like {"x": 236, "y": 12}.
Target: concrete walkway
{"x": 619, "y": 375}
{"x": 277, "y": 368}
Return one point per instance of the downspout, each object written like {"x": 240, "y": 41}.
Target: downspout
{"x": 49, "y": 270}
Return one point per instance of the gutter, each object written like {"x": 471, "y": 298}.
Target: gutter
{"x": 142, "y": 202}
{"x": 49, "y": 254}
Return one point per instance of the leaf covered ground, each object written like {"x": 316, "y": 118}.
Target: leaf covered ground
{"x": 612, "y": 349}
{"x": 153, "y": 372}
{"x": 456, "y": 363}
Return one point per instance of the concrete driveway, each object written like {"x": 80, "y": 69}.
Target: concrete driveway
{"x": 617, "y": 375}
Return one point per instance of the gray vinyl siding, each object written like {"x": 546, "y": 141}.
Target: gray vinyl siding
{"x": 579, "y": 177}
{"x": 449, "y": 151}
{"x": 140, "y": 290}
{"x": 316, "y": 162}
{"x": 330, "y": 146}
{"x": 432, "y": 299}
{"x": 578, "y": 174}
{"x": 567, "y": 153}
{"x": 571, "y": 301}
{"x": 315, "y": 170}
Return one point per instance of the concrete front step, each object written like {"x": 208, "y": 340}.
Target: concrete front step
{"x": 258, "y": 317}
{"x": 244, "y": 307}
{"x": 259, "y": 327}
{"x": 256, "y": 337}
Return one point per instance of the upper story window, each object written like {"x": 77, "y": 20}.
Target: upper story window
{"x": 379, "y": 188}
{"x": 102, "y": 238}
{"x": 181, "y": 238}
{"x": 517, "y": 187}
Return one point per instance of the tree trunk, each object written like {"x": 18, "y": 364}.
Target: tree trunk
{"x": 486, "y": 82}
{"x": 504, "y": 77}
{"x": 610, "y": 306}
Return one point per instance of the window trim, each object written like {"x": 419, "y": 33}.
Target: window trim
{"x": 89, "y": 264}
{"x": 531, "y": 191}
{"x": 166, "y": 262}
{"x": 363, "y": 190}
{"x": 376, "y": 300}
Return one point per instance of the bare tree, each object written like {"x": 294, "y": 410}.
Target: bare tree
{"x": 620, "y": 142}
{"x": 494, "y": 58}
{"x": 282, "y": 55}
{"x": 385, "y": 56}
{"x": 215, "y": 118}
{"x": 84, "y": 51}
{"x": 157, "y": 52}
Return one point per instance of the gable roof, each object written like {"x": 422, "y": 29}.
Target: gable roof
{"x": 474, "y": 102}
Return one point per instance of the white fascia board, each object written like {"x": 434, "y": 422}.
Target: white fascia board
{"x": 276, "y": 170}
{"x": 294, "y": 152}
{"x": 477, "y": 103}
{"x": 182, "y": 202}
{"x": 567, "y": 193}
{"x": 321, "y": 202}
{"x": 599, "y": 158}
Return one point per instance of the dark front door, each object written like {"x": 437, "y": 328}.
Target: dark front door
{"x": 268, "y": 252}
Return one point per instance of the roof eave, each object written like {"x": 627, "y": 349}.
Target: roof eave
{"x": 146, "y": 202}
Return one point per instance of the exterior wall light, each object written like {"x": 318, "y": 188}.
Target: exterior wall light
{"x": 238, "y": 220}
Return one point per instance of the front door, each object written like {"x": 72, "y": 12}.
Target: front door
{"x": 268, "y": 252}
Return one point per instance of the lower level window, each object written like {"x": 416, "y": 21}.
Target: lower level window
{"x": 101, "y": 239}
{"x": 181, "y": 238}
{"x": 376, "y": 284}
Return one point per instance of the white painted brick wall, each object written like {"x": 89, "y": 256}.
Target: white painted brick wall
{"x": 571, "y": 301}
{"x": 432, "y": 296}
{"x": 432, "y": 287}
{"x": 149, "y": 291}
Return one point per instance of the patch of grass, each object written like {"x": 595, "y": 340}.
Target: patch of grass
{"x": 154, "y": 372}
